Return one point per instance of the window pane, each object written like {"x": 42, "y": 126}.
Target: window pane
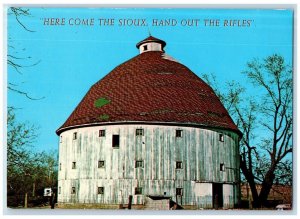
{"x": 179, "y": 133}
{"x": 179, "y": 191}
{"x": 101, "y": 190}
{"x": 178, "y": 165}
{"x": 138, "y": 191}
{"x": 139, "y": 132}
{"x": 101, "y": 133}
{"x": 222, "y": 167}
{"x": 221, "y": 137}
{"x": 101, "y": 163}
{"x": 139, "y": 163}
{"x": 116, "y": 141}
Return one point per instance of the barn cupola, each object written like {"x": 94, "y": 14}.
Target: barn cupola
{"x": 151, "y": 44}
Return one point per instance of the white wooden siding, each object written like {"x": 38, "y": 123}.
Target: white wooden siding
{"x": 199, "y": 149}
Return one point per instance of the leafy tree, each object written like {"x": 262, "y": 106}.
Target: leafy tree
{"x": 48, "y": 164}
{"x": 27, "y": 171}
{"x": 20, "y": 160}
{"x": 264, "y": 116}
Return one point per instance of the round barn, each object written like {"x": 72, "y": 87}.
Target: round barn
{"x": 150, "y": 130}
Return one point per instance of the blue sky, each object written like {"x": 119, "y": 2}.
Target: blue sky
{"x": 73, "y": 58}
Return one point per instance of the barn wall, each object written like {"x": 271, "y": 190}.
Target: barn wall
{"x": 203, "y": 195}
{"x": 228, "y": 195}
{"x": 200, "y": 151}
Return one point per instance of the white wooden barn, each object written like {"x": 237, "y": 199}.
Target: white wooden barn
{"x": 149, "y": 128}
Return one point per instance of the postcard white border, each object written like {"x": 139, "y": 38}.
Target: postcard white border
{"x": 154, "y": 3}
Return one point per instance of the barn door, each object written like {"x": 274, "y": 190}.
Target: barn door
{"x": 217, "y": 195}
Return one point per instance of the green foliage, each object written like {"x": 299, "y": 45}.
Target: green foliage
{"x": 104, "y": 117}
{"x": 27, "y": 171}
{"x": 101, "y": 102}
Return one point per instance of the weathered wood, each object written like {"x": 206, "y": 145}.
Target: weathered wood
{"x": 199, "y": 150}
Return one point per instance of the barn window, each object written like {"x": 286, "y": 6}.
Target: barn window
{"x": 139, "y": 163}
{"x": 101, "y": 133}
{"x": 178, "y": 133}
{"x": 138, "y": 190}
{"x": 179, "y": 191}
{"x": 145, "y": 47}
{"x": 100, "y": 190}
{"x": 178, "y": 164}
{"x": 116, "y": 141}
{"x": 73, "y": 165}
{"x": 73, "y": 190}
{"x": 222, "y": 167}
{"x": 59, "y": 190}
{"x": 139, "y": 132}
{"x": 221, "y": 137}
{"x": 101, "y": 164}
{"x": 74, "y": 135}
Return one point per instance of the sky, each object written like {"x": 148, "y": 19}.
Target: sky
{"x": 68, "y": 57}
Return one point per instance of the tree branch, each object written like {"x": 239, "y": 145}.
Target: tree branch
{"x": 19, "y": 11}
{"x": 24, "y": 93}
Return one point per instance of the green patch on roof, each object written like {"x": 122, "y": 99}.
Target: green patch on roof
{"x": 101, "y": 102}
{"x": 104, "y": 117}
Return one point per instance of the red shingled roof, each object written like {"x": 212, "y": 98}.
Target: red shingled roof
{"x": 150, "y": 87}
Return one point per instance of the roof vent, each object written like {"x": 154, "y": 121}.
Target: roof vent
{"x": 151, "y": 44}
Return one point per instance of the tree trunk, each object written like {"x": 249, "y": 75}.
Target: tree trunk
{"x": 33, "y": 189}
{"x": 254, "y": 193}
{"x": 266, "y": 187}
{"x": 250, "y": 179}
{"x": 25, "y": 201}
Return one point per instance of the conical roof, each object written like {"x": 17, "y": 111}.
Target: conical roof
{"x": 150, "y": 88}
{"x": 149, "y": 40}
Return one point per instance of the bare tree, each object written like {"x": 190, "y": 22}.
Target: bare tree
{"x": 14, "y": 59}
{"x": 268, "y": 112}
{"x": 274, "y": 77}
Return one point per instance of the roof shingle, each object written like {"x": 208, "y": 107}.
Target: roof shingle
{"x": 150, "y": 88}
